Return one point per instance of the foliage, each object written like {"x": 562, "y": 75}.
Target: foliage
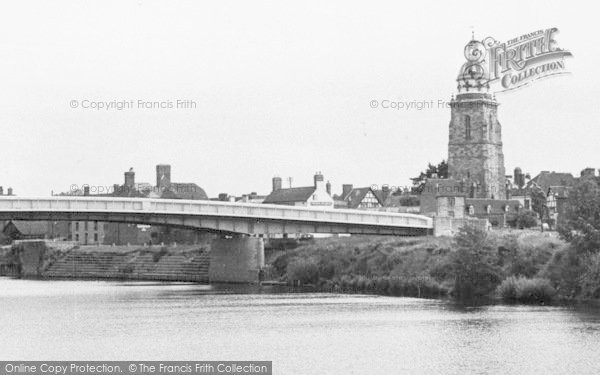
{"x": 304, "y": 271}
{"x": 440, "y": 169}
{"x": 581, "y": 226}
{"x": 525, "y": 290}
{"x": 590, "y": 279}
{"x": 474, "y": 264}
{"x": 564, "y": 270}
{"x": 526, "y": 219}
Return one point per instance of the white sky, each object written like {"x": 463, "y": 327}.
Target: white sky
{"x": 281, "y": 88}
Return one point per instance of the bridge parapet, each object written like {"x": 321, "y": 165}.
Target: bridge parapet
{"x": 236, "y": 217}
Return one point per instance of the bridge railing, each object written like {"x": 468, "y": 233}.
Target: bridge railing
{"x": 214, "y": 209}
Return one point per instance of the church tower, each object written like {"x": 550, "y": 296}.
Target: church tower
{"x": 475, "y": 143}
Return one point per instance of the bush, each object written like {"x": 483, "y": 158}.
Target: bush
{"x": 590, "y": 280}
{"x": 305, "y": 271}
{"x": 522, "y": 289}
{"x": 564, "y": 270}
{"x": 474, "y": 264}
{"x": 526, "y": 219}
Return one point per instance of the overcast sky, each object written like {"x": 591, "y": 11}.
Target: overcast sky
{"x": 281, "y": 88}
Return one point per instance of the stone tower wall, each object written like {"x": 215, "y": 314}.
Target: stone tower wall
{"x": 478, "y": 159}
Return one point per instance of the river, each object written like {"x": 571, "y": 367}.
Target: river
{"x": 301, "y": 333}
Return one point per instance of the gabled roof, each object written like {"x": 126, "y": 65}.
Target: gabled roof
{"x": 382, "y": 195}
{"x": 291, "y": 195}
{"x": 356, "y": 195}
{"x": 547, "y": 179}
{"x": 29, "y": 228}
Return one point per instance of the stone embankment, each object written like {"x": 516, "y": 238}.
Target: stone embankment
{"x": 181, "y": 263}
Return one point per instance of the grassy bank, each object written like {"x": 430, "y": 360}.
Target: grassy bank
{"x": 515, "y": 266}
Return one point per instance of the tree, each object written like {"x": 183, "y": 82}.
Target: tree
{"x": 474, "y": 264}
{"x": 441, "y": 170}
{"x": 526, "y": 219}
{"x": 581, "y": 226}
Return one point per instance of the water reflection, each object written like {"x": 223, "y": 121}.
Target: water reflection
{"x": 301, "y": 333}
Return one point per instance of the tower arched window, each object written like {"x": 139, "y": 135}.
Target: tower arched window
{"x": 467, "y": 127}
{"x": 491, "y": 127}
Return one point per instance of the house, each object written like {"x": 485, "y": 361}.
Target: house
{"x": 364, "y": 198}
{"x": 317, "y": 195}
{"x": 26, "y": 230}
{"x": 499, "y": 212}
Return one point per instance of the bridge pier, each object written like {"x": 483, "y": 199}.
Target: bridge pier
{"x": 237, "y": 259}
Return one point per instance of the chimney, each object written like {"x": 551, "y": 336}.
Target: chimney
{"x": 9, "y": 191}
{"x": 318, "y": 180}
{"x": 130, "y": 179}
{"x": 1, "y": 190}
{"x": 328, "y": 188}
{"x": 86, "y": 190}
{"x": 346, "y": 189}
{"x": 276, "y": 183}
{"x": 163, "y": 176}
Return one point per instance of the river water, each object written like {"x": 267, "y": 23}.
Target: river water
{"x": 300, "y": 333}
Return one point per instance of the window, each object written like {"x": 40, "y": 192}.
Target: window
{"x": 471, "y": 210}
{"x": 95, "y": 225}
{"x": 467, "y": 127}
{"x": 77, "y": 237}
{"x": 95, "y": 237}
{"x": 77, "y": 226}
{"x": 451, "y": 202}
{"x": 85, "y": 225}
{"x": 491, "y": 127}
{"x": 488, "y": 209}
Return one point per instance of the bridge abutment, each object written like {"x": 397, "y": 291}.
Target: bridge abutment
{"x": 237, "y": 259}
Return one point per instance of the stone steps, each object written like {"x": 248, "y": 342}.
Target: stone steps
{"x": 175, "y": 267}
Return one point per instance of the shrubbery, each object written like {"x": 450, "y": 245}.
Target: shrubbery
{"x": 522, "y": 289}
{"x": 520, "y": 266}
{"x": 303, "y": 271}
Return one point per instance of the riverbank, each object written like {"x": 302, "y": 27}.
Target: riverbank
{"x": 511, "y": 266}
{"x": 47, "y": 259}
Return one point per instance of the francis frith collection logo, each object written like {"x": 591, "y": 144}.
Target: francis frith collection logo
{"x": 515, "y": 63}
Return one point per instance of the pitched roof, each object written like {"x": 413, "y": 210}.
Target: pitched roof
{"x": 188, "y": 190}
{"x": 291, "y": 195}
{"x": 498, "y": 205}
{"x": 30, "y": 228}
{"x": 547, "y": 179}
{"x": 355, "y": 196}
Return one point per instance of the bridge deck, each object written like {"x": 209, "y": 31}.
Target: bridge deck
{"x": 222, "y": 216}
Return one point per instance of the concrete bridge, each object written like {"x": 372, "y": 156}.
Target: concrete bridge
{"x": 237, "y": 258}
